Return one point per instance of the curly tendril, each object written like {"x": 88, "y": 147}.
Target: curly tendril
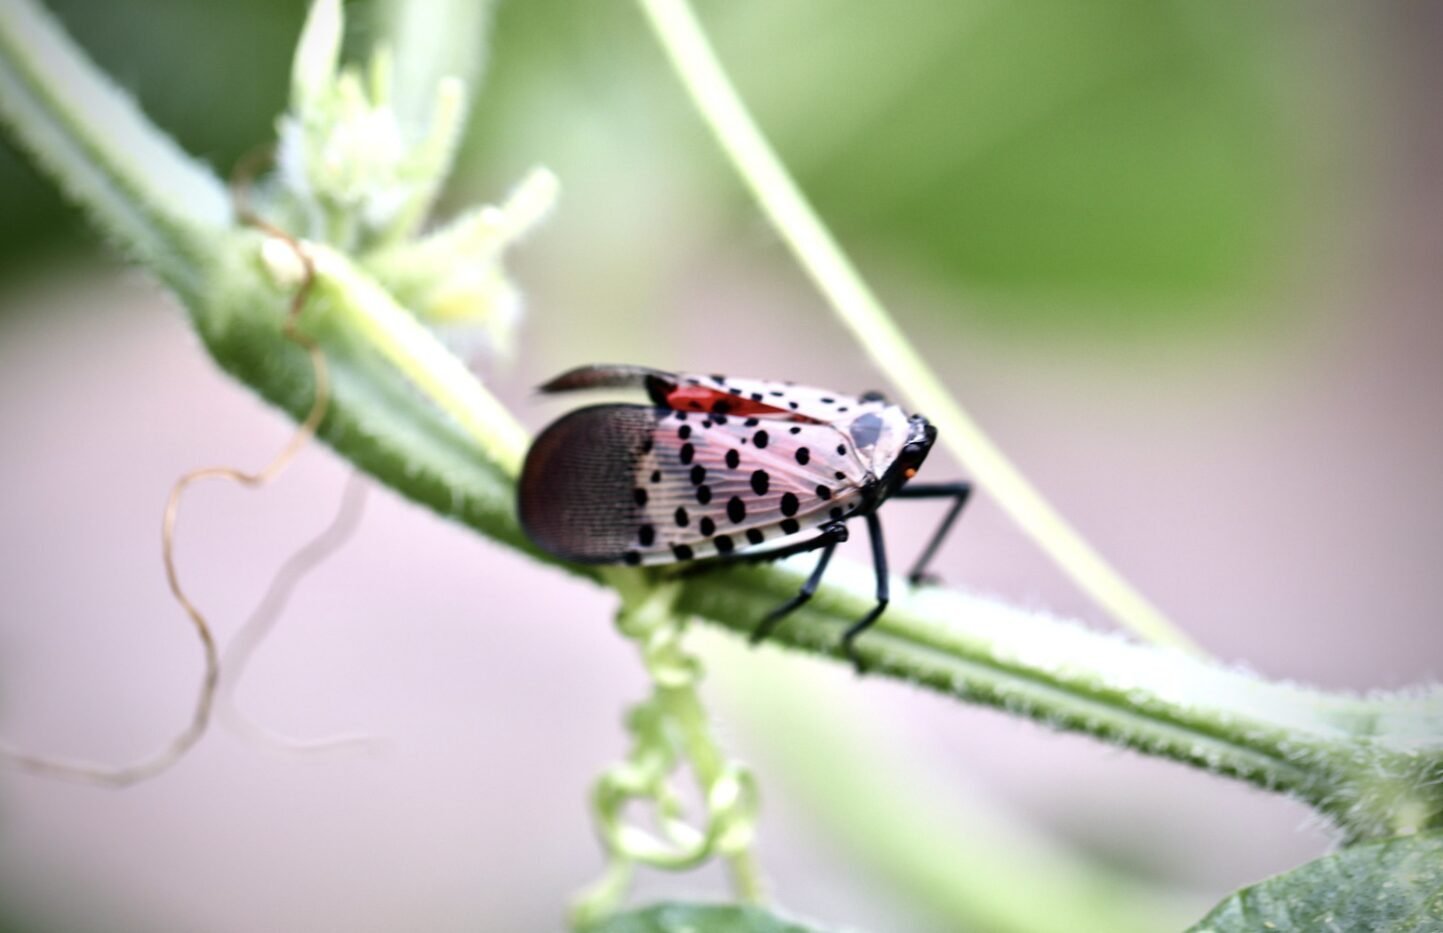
{"x": 669, "y": 729}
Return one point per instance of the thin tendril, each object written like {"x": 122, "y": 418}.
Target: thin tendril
{"x": 125, "y": 775}
{"x": 248, "y": 638}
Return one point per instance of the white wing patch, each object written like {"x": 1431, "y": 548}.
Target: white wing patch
{"x": 714, "y": 484}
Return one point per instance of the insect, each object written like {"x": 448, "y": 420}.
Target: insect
{"x": 726, "y": 470}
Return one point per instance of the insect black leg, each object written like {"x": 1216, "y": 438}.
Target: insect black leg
{"x": 879, "y": 565}
{"x": 833, "y": 534}
{"x": 830, "y": 532}
{"x": 958, "y": 492}
{"x": 837, "y": 534}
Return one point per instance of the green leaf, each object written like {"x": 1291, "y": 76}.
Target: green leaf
{"x": 1394, "y": 885}
{"x": 699, "y": 918}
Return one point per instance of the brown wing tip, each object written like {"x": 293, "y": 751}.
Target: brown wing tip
{"x": 575, "y": 496}
{"x": 603, "y": 376}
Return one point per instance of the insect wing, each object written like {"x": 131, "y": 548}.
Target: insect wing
{"x": 611, "y": 376}
{"x": 579, "y": 495}
{"x": 763, "y": 399}
{"x": 716, "y": 394}
{"x": 633, "y": 484}
{"x": 713, "y": 485}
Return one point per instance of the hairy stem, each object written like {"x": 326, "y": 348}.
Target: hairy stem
{"x": 885, "y": 809}
{"x": 150, "y": 198}
{"x": 1316, "y": 746}
{"x": 1163, "y": 702}
{"x": 823, "y": 259}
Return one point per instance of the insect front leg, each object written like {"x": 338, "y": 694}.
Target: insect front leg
{"x": 833, "y": 533}
{"x": 958, "y": 493}
{"x": 879, "y": 566}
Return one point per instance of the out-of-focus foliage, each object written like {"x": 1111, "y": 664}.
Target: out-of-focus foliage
{"x": 1113, "y": 163}
{"x": 1116, "y": 165}
{"x": 212, "y": 74}
{"x": 1126, "y": 155}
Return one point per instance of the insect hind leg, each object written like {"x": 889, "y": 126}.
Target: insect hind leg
{"x": 833, "y": 533}
{"x": 879, "y": 566}
{"x": 837, "y": 534}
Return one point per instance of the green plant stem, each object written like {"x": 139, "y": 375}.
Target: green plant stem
{"x": 649, "y": 618}
{"x": 827, "y": 265}
{"x": 420, "y": 424}
{"x": 746, "y": 877}
{"x": 706, "y": 757}
{"x": 363, "y": 309}
{"x": 150, "y": 199}
{"x": 1356, "y": 760}
{"x": 953, "y": 856}
{"x": 1162, "y": 701}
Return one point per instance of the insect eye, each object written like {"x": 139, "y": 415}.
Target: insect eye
{"x": 910, "y": 472}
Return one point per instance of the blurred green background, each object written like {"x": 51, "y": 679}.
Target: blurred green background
{"x": 1182, "y": 259}
{"x": 1117, "y": 168}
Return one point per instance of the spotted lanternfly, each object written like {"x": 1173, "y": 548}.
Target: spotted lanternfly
{"x": 721, "y": 468}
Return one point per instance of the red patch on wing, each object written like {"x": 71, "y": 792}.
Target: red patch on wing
{"x": 700, "y": 398}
